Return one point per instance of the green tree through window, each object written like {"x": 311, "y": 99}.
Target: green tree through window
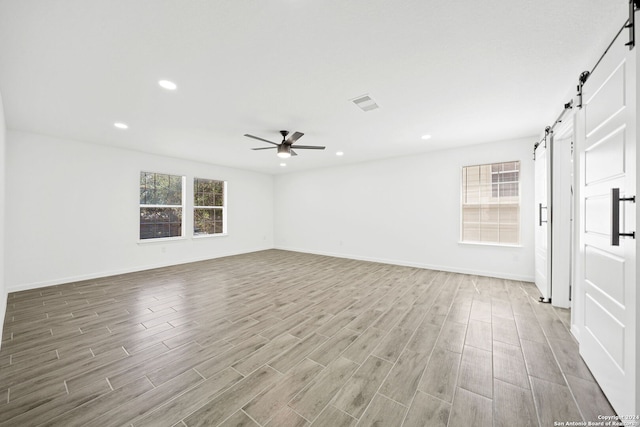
{"x": 209, "y": 207}
{"x": 161, "y": 205}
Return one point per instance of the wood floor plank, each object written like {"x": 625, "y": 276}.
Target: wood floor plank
{"x": 541, "y": 362}
{"x": 83, "y": 415}
{"x": 424, "y": 338}
{"x": 479, "y": 335}
{"x": 364, "y": 345}
{"x": 185, "y": 404}
{"x": 389, "y": 318}
{"x": 440, "y": 377}
{"x": 232, "y": 356}
{"x": 393, "y": 343}
{"x": 383, "y": 412}
{"x": 358, "y": 391}
{"x": 553, "y": 402}
{"x": 273, "y": 399}
{"x": 508, "y": 365}
{"x": 277, "y": 312}
{"x": 504, "y": 330}
{"x": 272, "y": 349}
{"x": 287, "y": 417}
{"x": 32, "y": 400}
{"x": 221, "y": 407}
{"x": 58, "y": 406}
{"x": 333, "y": 417}
{"x": 480, "y": 310}
{"x": 140, "y": 405}
{"x": 403, "y": 380}
{"x": 295, "y": 354}
{"x": 471, "y": 409}
{"x": 590, "y": 399}
{"x": 529, "y": 329}
{"x": 123, "y": 369}
{"x": 452, "y": 336}
{"x": 332, "y": 349}
{"x": 476, "y": 371}
{"x": 412, "y": 319}
{"x": 459, "y": 311}
{"x": 239, "y": 419}
{"x": 427, "y": 411}
{"x": 310, "y": 325}
{"x": 363, "y": 321}
{"x": 312, "y": 400}
{"x": 513, "y": 404}
{"x": 35, "y": 381}
{"x": 173, "y": 363}
{"x": 565, "y": 352}
{"x": 336, "y": 324}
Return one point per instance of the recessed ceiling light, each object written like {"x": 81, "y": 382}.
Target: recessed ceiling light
{"x": 425, "y": 137}
{"x": 166, "y": 84}
{"x": 121, "y": 125}
{"x": 283, "y": 164}
{"x": 339, "y": 153}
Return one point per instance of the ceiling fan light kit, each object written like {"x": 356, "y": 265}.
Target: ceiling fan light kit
{"x": 284, "y": 152}
{"x": 285, "y": 148}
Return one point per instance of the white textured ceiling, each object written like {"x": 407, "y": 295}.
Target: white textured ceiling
{"x": 463, "y": 71}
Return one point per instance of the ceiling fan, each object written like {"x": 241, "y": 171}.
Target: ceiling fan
{"x": 285, "y": 148}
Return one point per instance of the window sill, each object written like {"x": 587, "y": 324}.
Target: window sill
{"x": 208, "y": 236}
{"x": 161, "y": 240}
{"x": 499, "y": 245}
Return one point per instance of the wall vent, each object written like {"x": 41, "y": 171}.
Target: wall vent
{"x": 365, "y": 103}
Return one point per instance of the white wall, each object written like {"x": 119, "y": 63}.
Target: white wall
{"x": 72, "y": 211}
{"x": 402, "y": 211}
{"x": 3, "y": 287}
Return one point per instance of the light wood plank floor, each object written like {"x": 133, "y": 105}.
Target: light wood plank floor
{"x": 278, "y": 338}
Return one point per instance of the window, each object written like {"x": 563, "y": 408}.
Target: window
{"x": 161, "y": 205}
{"x": 491, "y": 203}
{"x": 209, "y": 216}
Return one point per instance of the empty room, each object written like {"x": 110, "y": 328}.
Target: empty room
{"x": 318, "y": 213}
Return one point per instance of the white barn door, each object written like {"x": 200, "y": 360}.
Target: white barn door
{"x": 562, "y": 205}
{"x": 606, "y": 296}
{"x": 543, "y": 231}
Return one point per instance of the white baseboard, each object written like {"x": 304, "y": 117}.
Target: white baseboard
{"x": 496, "y": 274}
{"x": 575, "y": 331}
{"x": 101, "y": 274}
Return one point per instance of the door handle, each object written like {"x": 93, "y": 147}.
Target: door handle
{"x": 540, "y": 207}
{"x": 615, "y": 216}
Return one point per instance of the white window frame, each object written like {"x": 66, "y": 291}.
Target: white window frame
{"x": 222, "y": 208}
{"x": 182, "y": 207}
{"x": 519, "y": 204}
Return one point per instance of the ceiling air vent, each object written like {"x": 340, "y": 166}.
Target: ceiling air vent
{"x": 365, "y": 103}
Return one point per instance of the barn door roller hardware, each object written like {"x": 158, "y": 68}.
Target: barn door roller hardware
{"x": 544, "y": 139}
{"x": 584, "y": 76}
{"x": 631, "y": 23}
{"x": 549, "y": 129}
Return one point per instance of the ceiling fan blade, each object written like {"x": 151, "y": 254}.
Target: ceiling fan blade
{"x": 308, "y": 147}
{"x": 293, "y": 138}
{"x": 264, "y": 148}
{"x": 293, "y": 153}
{"x": 259, "y": 139}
